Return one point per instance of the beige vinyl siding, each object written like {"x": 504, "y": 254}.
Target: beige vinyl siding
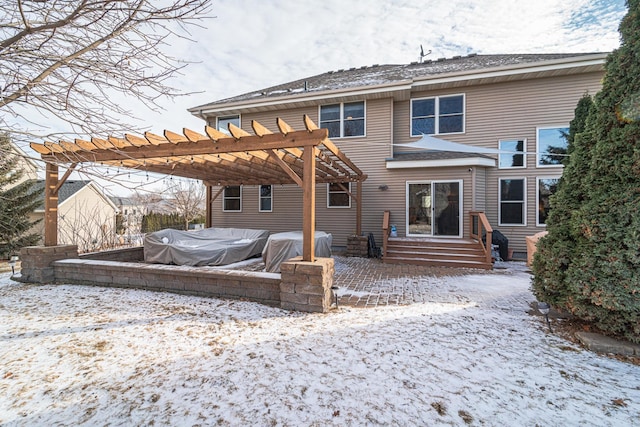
{"x": 501, "y": 113}
{"x": 481, "y": 188}
{"x": 509, "y": 110}
{"x": 368, "y": 153}
{"x": 400, "y": 178}
{"x": 285, "y": 216}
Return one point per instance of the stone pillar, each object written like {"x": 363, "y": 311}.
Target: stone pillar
{"x": 358, "y": 246}
{"x": 36, "y": 262}
{"x": 306, "y": 286}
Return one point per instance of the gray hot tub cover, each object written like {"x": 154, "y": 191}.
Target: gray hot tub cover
{"x": 211, "y": 246}
{"x": 282, "y": 246}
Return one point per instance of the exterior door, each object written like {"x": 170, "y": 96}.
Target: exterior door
{"x": 434, "y": 208}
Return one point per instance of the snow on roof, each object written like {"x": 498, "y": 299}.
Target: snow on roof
{"x": 366, "y": 76}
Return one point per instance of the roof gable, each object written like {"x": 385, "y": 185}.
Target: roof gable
{"x": 68, "y": 190}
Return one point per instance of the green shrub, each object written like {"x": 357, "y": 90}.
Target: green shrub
{"x": 589, "y": 263}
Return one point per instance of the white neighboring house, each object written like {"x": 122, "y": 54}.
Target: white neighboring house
{"x": 132, "y": 211}
{"x": 28, "y": 167}
{"x": 86, "y": 217}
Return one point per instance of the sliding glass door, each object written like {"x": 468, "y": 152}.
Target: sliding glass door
{"x": 434, "y": 208}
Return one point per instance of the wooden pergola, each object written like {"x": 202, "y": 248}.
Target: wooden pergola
{"x": 304, "y": 157}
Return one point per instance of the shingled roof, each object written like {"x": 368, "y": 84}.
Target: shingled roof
{"x": 68, "y": 189}
{"x": 374, "y": 75}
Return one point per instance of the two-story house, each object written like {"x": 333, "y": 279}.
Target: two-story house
{"x": 518, "y": 106}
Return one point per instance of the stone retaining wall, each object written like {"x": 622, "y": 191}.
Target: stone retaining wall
{"x": 125, "y": 254}
{"x": 358, "y": 246}
{"x": 36, "y": 265}
{"x": 302, "y": 286}
{"x": 306, "y": 286}
{"x": 254, "y": 286}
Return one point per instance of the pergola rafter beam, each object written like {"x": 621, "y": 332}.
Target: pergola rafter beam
{"x": 303, "y": 158}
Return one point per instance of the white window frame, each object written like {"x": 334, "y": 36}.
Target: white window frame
{"x": 224, "y": 199}
{"x": 538, "y": 152}
{"x": 524, "y": 201}
{"x": 260, "y": 197}
{"x": 342, "y": 119}
{"x": 437, "y": 113}
{"x": 329, "y": 192}
{"x": 432, "y": 183}
{"x": 524, "y": 153}
{"x": 538, "y": 178}
{"x": 225, "y": 129}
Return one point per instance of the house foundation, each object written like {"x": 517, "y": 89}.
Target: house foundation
{"x": 306, "y": 286}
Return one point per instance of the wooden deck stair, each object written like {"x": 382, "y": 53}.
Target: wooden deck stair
{"x": 466, "y": 253}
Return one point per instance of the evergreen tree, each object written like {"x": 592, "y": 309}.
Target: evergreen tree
{"x": 17, "y": 199}
{"x": 603, "y": 276}
{"x": 557, "y": 250}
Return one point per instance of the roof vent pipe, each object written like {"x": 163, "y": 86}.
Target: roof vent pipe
{"x": 306, "y": 86}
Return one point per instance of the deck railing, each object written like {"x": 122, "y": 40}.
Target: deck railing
{"x": 479, "y": 226}
{"x": 385, "y": 232}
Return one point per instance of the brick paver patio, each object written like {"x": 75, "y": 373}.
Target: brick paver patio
{"x": 367, "y": 282}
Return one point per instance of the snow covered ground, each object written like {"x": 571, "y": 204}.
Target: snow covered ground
{"x": 74, "y": 355}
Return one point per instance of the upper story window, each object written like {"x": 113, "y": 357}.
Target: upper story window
{"x": 223, "y": 123}
{"x": 512, "y": 158}
{"x": 232, "y": 198}
{"x": 551, "y": 146}
{"x": 338, "y": 195}
{"x": 266, "y": 198}
{"x": 512, "y": 209}
{"x": 343, "y": 120}
{"x": 437, "y": 115}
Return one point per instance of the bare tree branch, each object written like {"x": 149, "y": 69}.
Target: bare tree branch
{"x": 188, "y": 199}
{"x": 66, "y": 59}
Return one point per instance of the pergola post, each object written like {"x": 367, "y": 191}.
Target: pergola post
{"x": 51, "y": 205}
{"x": 309, "y": 204}
{"x": 207, "y": 220}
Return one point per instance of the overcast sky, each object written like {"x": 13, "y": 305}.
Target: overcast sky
{"x": 253, "y": 44}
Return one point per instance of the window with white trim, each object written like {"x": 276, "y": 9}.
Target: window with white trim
{"x": 512, "y": 159}
{"x": 546, "y": 188}
{"x": 223, "y": 123}
{"x": 266, "y": 198}
{"x": 512, "y": 206}
{"x": 437, "y": 115}
{"x": 551, "y": 146}
{"x": 343, "y": 120}
{"x": 337, "y": 197}
{"x": 232, "y": 198}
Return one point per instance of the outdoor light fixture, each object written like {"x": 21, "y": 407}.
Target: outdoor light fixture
{"x": 334, "y": 289}
{"x": 383, "y": 187}
{"x": 544, "y": 308}
{"x": 12, "y": 263}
